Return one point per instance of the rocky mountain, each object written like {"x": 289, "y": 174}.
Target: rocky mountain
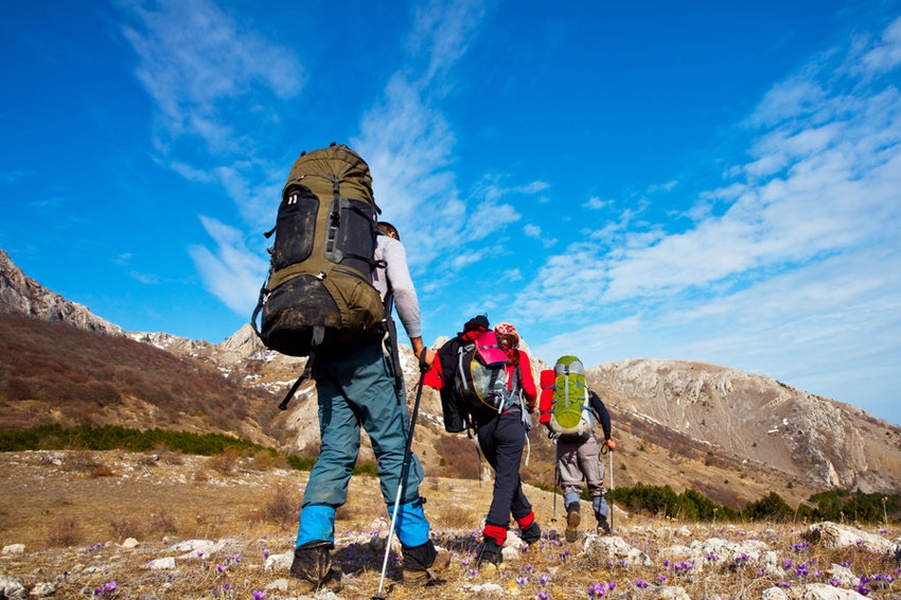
{"x": 20, "y": 294}
{"x": 732, "y": 435}
{"x": 759, "y": 420}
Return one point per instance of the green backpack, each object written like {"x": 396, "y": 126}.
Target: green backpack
{"x": 570, "y": 413}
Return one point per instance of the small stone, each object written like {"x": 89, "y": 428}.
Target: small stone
{"x": 162, "y": 564}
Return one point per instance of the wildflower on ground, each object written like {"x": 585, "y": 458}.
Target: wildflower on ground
{"x": 741, "y": 559}
{"x": 712, "y": 556}
{"x": 259, "y": 594}
{"x": 107, "y": 590}
{"x": 597, "y": 590}
{"x": 522, "y": 580}
{"x": 641, "y": 583}
{"x": 683, "y": 567}
{"x": 544, "y": 596}
{"x": 661, "y": 578}
{"x": 543, "y": 580}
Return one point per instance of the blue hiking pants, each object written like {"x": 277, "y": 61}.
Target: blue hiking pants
{"x": 355, "y": 389}
{"x": 502, "y": 440}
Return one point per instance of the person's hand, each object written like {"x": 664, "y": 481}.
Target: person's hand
{"x": 610, "y": 444}
{"x": 552, "y": 435}
{"x": 426, "y": 358}
{"x": 531, "y": 405}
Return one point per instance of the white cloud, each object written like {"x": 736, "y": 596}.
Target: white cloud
{"x": 886, "y": 55}
{"x": 207, "y": 74}
{"x": 409, "y": 144}
{"x": 595, "y": 203}
{"x": 794, "y": 277}
{"x": 232, "y": 273}
{"x": 193, "y": 58}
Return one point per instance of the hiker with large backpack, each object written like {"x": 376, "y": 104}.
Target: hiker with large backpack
{"x": 569, "y": 410}
{"x": 322, "y": 308}
{"x": 486, "y": 384}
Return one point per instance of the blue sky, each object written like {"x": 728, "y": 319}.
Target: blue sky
{"x": 710, "y": 181}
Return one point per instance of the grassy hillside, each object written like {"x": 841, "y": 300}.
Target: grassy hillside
{"x": 54, "y": 373}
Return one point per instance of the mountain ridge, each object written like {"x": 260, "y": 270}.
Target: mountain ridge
{"x": 729, "y": 433}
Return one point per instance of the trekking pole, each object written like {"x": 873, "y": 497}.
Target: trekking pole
{"x": 554, "y": 514}
{"x": 611, "y": 489}
{"x": 404, "y": 471}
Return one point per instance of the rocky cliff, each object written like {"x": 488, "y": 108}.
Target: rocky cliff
{"x": 760, "y": 420}
{"x": 20, "y": 294}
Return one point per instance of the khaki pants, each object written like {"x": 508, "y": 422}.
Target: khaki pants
{"x": 578, "y": 460}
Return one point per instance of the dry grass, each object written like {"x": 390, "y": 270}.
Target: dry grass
{"x": 73, "y": 522}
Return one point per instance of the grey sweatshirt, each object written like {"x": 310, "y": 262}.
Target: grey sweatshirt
{"x": 397, "y": 276}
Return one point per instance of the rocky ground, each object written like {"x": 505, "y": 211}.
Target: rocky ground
{"x": 161, "y": 526}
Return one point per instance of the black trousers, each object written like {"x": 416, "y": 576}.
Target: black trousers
{"x": 502, "y": 439}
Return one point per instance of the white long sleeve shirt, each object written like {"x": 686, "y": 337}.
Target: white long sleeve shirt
{"x": 396, "y": 276}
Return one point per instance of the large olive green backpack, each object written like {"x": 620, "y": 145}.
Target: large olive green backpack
{"x": 319, "y": 291}
{"x": 570, "y": 412}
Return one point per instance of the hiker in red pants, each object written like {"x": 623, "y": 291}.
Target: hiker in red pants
{"x": 487, "y": 386}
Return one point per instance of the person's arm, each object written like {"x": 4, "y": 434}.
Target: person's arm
{"x": 603, "y": 416}
{"x": 528, "y": 381}
{"x": 405, "y": 298}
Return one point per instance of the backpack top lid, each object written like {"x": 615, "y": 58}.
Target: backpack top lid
{"x": 337, "y": 165}
{"x": 569, "y": 364}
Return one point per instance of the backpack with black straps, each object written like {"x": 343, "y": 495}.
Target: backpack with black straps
{"x": 570, "y": 412}
{"x": 481, "y": 375}
{"x": 319, "y": 290}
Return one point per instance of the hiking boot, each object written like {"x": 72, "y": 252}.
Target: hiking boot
{"x": 531, "y": 534}
{"x": 424, "y": 565}
{"x": 573, "y": 518}
{"x": 312, "y": 567}
{"x": 490, "y": 552}
{"x": 603, "y": 525}
{"x": 430, "y": 576}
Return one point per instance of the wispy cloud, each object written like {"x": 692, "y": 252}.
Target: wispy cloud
{"x": 817, "y": 200}
{"x": 208, "y": 76}
{"x": 231, "y": 271}
{"x": 195, "y": 60}
{"x": 409, "y": 144}
{"x": 830, "y": 185}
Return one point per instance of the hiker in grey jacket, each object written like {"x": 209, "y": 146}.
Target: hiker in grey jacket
{"x": 395, "y": 277}
{"x": 578, "y": 459}
{"x": 355, "y": 389}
